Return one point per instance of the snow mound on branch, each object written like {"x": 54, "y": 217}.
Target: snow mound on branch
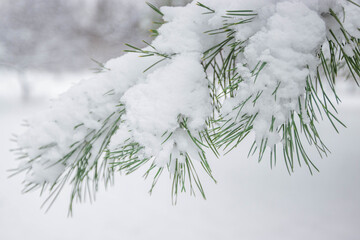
{"x": 287, "y": 44}
{"x": 172, "y": 92}
{"x": 75, "y": 116}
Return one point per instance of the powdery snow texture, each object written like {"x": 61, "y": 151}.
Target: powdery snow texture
{"x": 284, "y": 34}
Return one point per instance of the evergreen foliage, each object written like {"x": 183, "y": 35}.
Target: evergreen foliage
{"x": 93, "y": 159}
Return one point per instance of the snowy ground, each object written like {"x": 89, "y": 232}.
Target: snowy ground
{"x": 250, "y": 201}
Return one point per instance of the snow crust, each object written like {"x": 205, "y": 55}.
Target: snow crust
{"x": 286, "y": 35}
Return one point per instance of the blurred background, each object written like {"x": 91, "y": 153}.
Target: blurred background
{"x": 46, "y": 46}
{"x": 63, "y": 36}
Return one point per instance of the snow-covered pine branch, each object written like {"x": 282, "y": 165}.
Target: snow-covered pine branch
{"x": 216, "y": 71}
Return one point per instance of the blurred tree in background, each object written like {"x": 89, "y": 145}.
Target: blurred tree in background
{"x": 62, "y": 35}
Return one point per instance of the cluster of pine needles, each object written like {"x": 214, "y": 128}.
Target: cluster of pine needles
{"x": 219, "y": 63}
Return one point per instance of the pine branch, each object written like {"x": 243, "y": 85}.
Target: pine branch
{"x": 229, "y": 78}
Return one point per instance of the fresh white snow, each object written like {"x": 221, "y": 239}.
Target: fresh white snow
{"x": 286, "y": 35}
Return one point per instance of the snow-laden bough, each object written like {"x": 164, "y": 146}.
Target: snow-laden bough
{"x": 216, "y": 71}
